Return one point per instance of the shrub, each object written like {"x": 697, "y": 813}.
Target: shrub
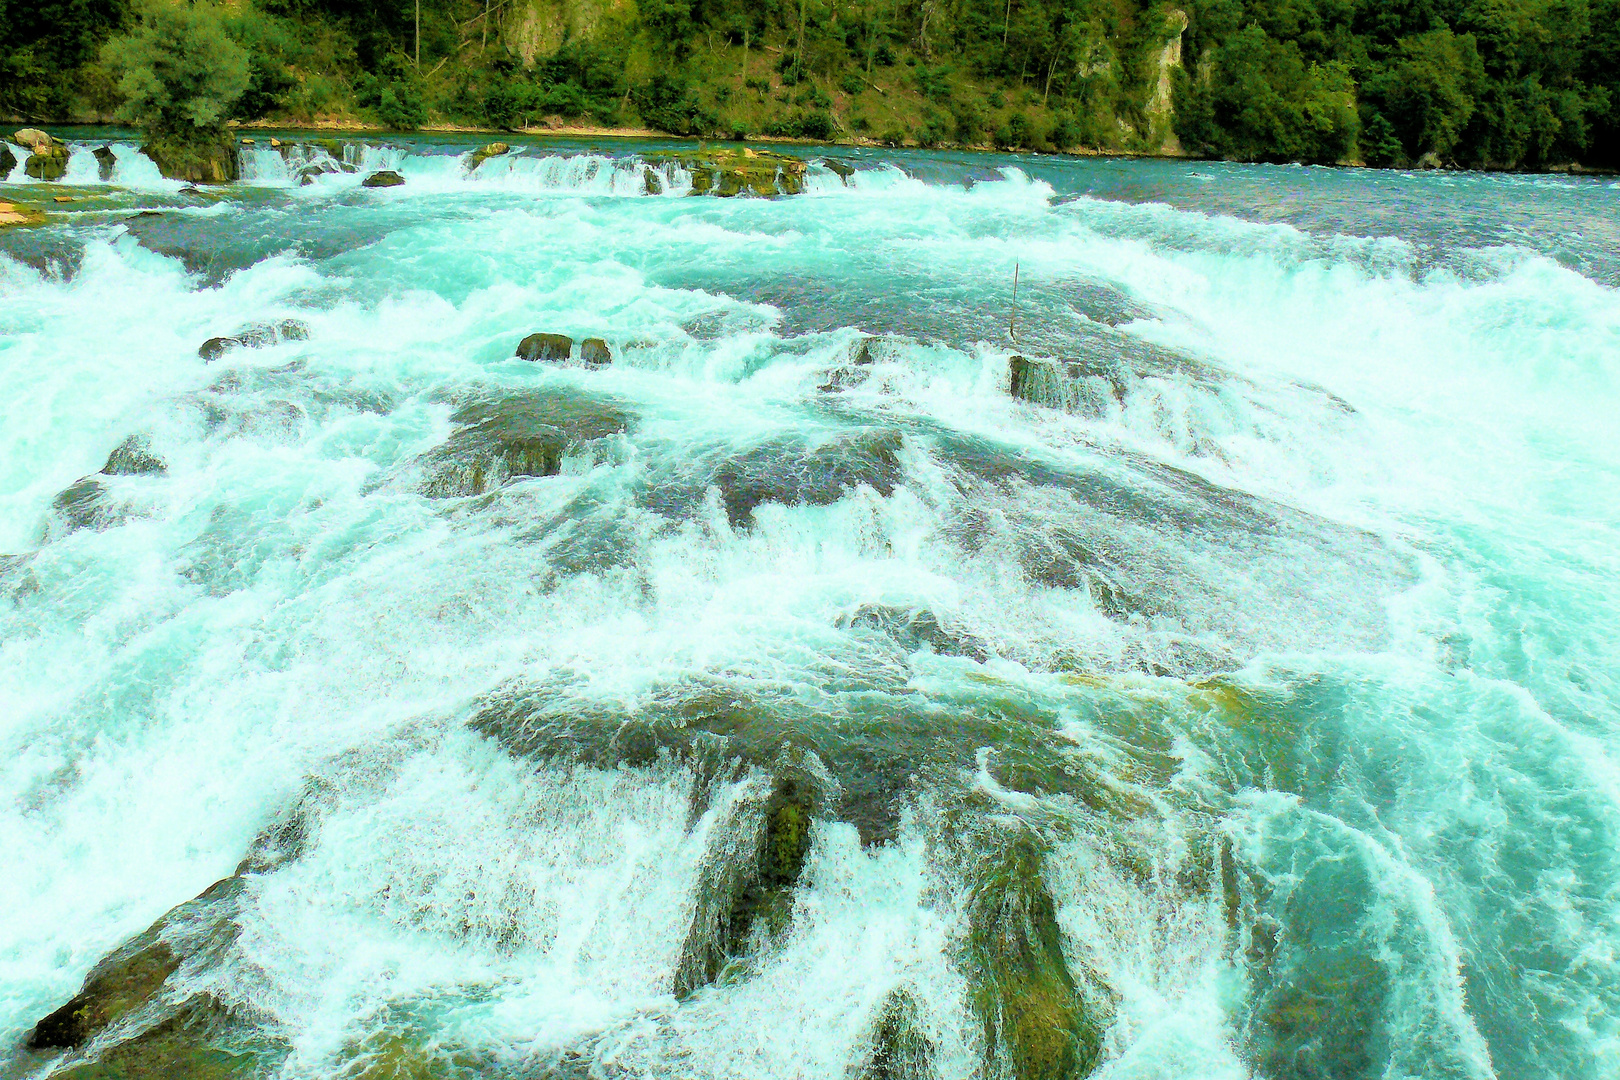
{"x": 178, "y": 71}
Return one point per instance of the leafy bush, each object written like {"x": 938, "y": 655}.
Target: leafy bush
{"x": 178, "y": 71}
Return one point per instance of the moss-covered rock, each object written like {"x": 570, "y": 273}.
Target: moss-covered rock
{"x": 548, "y": 348}
{"x": 898, "y": 1047}
{"x": 383, "y": 178}
{"x": 48, "y": 162}
{"x": 731, "y": 171}
{"x": 595, "y": 352}
{"x": 748, "y": 880}
{"x": 484, "y": 153}
{"x": 1037, "y": 1022}
{"x": 194, "y": 1043}
{"x": 129, "y": 979}
{"x": 521, "y": 435}
{"x": 201, "y": 157}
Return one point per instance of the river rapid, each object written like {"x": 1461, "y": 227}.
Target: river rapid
{"x": 787, "y": 698}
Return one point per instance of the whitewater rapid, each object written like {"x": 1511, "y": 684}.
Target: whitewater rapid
{"x": 1289, "y": 652}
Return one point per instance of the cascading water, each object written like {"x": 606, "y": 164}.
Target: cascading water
{"x": 1218, "y": 681}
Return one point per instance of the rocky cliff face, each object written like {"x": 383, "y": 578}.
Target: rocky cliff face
{"x": 535, "y": 29}
{"x": 1160, "y": 108}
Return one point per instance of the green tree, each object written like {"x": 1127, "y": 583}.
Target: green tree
{"x": 181, "y": 76}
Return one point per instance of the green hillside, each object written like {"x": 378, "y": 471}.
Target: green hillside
{"x": 1513, "y": 84}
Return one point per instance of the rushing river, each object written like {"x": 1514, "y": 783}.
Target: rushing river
{"x": 786, "y": 698}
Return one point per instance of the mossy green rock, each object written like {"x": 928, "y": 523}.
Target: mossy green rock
{"x": 198, "y": 158}
{"x": 728, "y": 172}
{"x": 1037, "y": 1025}
{"x": 899, "y": 1048}
{"x": 549, "y": 348}
{"x": 484, "y": 153}
{"x": 748, "y": 881}
{"x": 186, "y": 1046}
{"x": 49, "y": 163}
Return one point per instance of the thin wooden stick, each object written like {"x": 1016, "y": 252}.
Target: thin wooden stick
{"x": 1013, "y": 317}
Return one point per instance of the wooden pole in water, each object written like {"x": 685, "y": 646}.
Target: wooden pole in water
{"x": 1013, "y": 317}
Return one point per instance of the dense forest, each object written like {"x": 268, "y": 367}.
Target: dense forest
{"x": 1511, "y": 84}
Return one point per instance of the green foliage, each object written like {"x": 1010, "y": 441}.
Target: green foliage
{"x": 177, "y": 69}
{"x": 44, "y": 45}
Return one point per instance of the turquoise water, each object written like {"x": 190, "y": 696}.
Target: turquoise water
{"x": 1293, "y": 653}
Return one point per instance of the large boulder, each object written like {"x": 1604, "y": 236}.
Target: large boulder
{"x": 553, "y": 348}
{"x": 47, "y": 158}
{"x": 8, "y": 161}
{"x": 383, "y": 178}
{"x": 200, "y": 159}
{"x": 106, "y": 161}
{"x": 595, "y": 352}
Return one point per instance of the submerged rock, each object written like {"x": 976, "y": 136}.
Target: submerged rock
{"x": 106, "y": 161}
{"x": 12, "y": 214}
{"x": 552, "y": 348}
{"x": 790, "y": 473}
{"x": 519, "y": 436}
{"x": 1037, "y": 1023}
{"x": 383, "y": 178}
{"x": 748, "y": 880}
{"x": 133, "y": 457}
{"x": 255, "y": 336}
{"x": 914, "y": 628}
{"x": 898, "y": 1047}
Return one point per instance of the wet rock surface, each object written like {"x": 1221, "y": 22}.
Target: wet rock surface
{"x": 382, "y": 179}
{"x": 731, "y": 172}
{"x": 547, "y": 348}
{"x": 106, "y": 162}
{"x": 517, "y": 436}
{"x": 898, "y": 1047}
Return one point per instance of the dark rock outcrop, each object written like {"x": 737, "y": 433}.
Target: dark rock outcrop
{"x": 522, "y": 435}
{"x": 216, "y": 347}
{"x": 8, "y": 161}
{"x": 595, "y": 352}
{"x": 85, "y": 505}
{"x": 255, "y": 336}
{"x": 106, "y": 161}
{"x": 552, "y": 348}
{"x": 651, "y": 182}
{"x": 914, "y": 628}
{"x": 133, "y": 457}
{"x": 383, "y": 178}
{"x": 793, "y": 474}
{"x": 128, "y": 981}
